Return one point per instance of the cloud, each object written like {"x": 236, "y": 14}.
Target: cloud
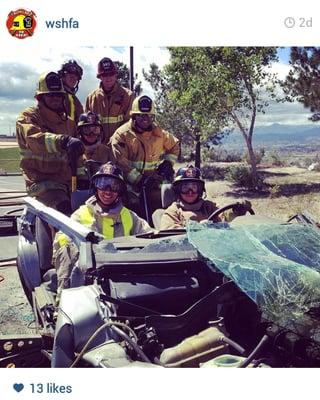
{"x": 20, "y": 71}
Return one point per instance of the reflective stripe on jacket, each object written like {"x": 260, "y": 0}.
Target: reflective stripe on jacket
{"x": 113, "y": 108}
{"x": 139, "y": 153}
{"x": 88, "y": 219}
{"x": 39, "y": 131}
{"x": 74, "y": 107}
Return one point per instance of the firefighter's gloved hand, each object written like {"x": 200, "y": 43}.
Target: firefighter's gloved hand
{"x": 165, "y": 169}
{"x": 242, "y": 207}
{"x": 74, "y": 148}
{"x": 72, "y": 145}
{"x": 150, "y": 181}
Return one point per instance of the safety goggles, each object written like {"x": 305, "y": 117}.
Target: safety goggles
{"x": 186, "y": 187}
{"x": 106, "y": 183}
{"x": 91, "y": 130}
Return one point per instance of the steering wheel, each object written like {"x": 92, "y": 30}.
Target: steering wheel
{"x": 225, "y": 208}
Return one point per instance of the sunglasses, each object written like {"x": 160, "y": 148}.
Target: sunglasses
{"x": 187, "y": 187}
{"x": 105, "y": 183}
{"x": 91, "y": 130}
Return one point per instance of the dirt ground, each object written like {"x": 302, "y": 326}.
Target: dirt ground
{"x": 15, "y": 312}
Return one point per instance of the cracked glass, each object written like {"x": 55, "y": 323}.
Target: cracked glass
{"x": 277, "y": 266}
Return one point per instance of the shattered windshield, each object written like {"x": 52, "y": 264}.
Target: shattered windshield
{"x": 278, "y": 266}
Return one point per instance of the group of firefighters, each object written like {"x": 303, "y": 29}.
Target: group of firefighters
{"x": 57, "y": 137}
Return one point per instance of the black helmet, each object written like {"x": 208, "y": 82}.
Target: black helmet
{"x": 188, "y": 174}
{"x": 71, "y": 67}
{"x": 106, "y": 66}
{"x": 89, "y": 118}
{"x": 109, "y": 170}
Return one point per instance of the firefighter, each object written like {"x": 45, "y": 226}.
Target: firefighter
{"x": 90, "y": 132}
{"x": 104, "y": 213}
{"x": 47, "y": 146}
{"x": 190, "y": 205}
{"x": 146, "y": 154}
{"x": 71, "y": 74}
{"x": 111, "y": 101}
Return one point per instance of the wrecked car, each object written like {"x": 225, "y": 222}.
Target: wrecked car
{"x": 243, "y": 294}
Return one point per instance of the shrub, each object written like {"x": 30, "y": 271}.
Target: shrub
{"x": 259, "y": 156}
{"x": 241, "y": 175}
{"x": 212, "y": 172}
{"x": 276, "y": 159}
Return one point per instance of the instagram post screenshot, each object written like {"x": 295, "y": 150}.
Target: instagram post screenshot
{"x": 159, "y": 199}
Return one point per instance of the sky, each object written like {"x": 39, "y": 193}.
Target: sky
{"x": 19, "y": 73}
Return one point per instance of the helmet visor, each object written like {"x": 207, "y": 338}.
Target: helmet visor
{"x": 193, "y": 187}
{"x": 106, "y": 183}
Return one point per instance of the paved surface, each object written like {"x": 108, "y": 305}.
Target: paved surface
{"x": 15, "y": 312}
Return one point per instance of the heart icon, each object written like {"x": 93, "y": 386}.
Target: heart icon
{"x": 18, "y": 387}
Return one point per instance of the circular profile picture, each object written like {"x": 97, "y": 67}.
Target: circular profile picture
{"x": 21, "y": 23}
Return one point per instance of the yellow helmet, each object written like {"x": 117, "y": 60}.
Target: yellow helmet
{"x": 49, "y": 82}
{"x": 142, "y": 105}
{"x": 17, "y": 23}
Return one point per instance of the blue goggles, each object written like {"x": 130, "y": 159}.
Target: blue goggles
{"x": 106, "y": 183}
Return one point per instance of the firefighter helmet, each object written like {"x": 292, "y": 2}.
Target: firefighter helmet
{"x": 49, "y": 82}
{"x": 188, "y": 174}
{"x": 106, "y": 66}
{"x": 142, "y": 105}
{"x": 89, "y": 118}
{"x": 109, "y": 170}
{"x": 71, "y": 67}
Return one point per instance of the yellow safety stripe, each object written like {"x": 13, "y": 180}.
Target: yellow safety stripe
{"x": 111, "y": 120}
{"x": 170, "y": 157}
{"x": 72, "y": 107}
{"x": 62, "y": 239}
{"x": 108, "y": 227}
{"x": 81, "y": 171}
{"x": 133, "y": 175}
{"x": 127, "y": 221}
{"x": 87, "y": 219}
{"x": 50, "y": 141}
{"x": 48, "y": 157}
{"x": 145, "y": 165}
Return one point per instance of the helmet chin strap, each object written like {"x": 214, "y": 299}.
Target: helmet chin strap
{"x": 71, "y": 90}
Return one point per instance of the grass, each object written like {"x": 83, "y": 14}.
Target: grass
{"x": 10, "y": 159}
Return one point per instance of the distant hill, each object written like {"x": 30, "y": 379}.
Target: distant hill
{"x": 276, "y": 133}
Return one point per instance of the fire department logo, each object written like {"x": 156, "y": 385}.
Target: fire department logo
{"x": 191, "y": 173}
{"x": 21, "y": 23}
{"x": 108, "y": 169}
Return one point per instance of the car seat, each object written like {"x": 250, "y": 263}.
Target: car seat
{"x": 168, "y": 196}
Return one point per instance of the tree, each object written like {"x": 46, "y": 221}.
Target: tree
{"x": 124, "y": 77}
{"x": 175, "y": 117}
{"x": 303, "y": 80}
{"x": 222, "y": 86}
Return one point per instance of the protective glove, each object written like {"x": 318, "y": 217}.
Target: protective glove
{"x": 165, "y": 169}
{"x": 74, "y": 148}
{"x": 150, "y": 181}
{"x": 242, "y": 207}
